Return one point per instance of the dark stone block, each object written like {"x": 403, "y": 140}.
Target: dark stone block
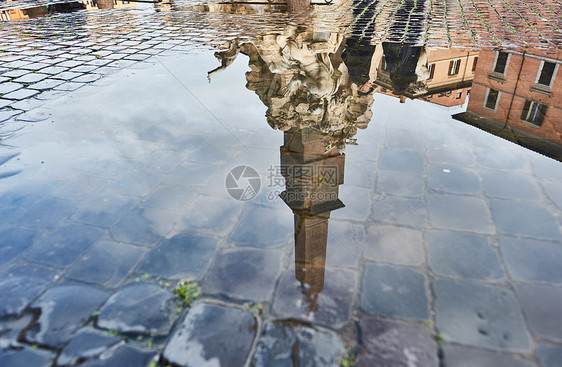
{"x": 401, "y": 211}
{"x": 212, "y": 335}
{"x": 532, "y": 260}
{"x": 463, "y": 255}
{"x": 10, "y": 330}
{"x": 85, "y": 345}
{"x": 62, "y": 247}
{"x": 393, "y": 344}
{"x": 211, "y": 215}
{"x": 13, "y": 242}
{"x": 264, "y": 227}
{"x": 139, "y": 308}
{"x": 408, "y": 184}
{"x": 453, "y": 180}
{"x": 460, "y": 213}
{"x": 103, "y": 210}
{"x": 18, "y": 292}
{"x": 144, "y": 226}
{"x": 401, "y": 160}
{"x": 542, "y": 306}
{"x": 284, "y": 343}
{"x": 510, "y": 186}
{"x": 519, "y": 218}
{"x": 394, "y": 291}
{"x": 64, "y": 309}
{"x": 181, "y": 256}
{"x": 357, "y": 202}
{"x": 173, "y": 198}
{"x": 136, "y": 183}
{"x": 324, "y": 299}
{"x": 25, "y": 358}
{"x": 479, "y": 315}
{"x": 549, "y": 355}
{"x": 395, "y": 245}
{"x": 47, "y": 213}
{"x": 554, "y": 192}
{"x": 455, "y": 356}
{"x": 124, "y": 355}
{"x": 107, "y": 263}
{"x": 244, "y": 274}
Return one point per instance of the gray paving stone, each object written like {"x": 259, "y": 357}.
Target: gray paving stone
{"x": 69, "y": 86}
{"x": 10, "y": 330}
{"x": 136, "y": 183}
{"x": 139, "y": 308}
{"x": 211, "y": 215}
{"x": 63, "y": 246}
{"x": 124, "y": 355}
{"x": 503, "y": 159}
{"x": 34, "y": 66}
{"x": 70, "y": 63}
{"x": 401, "y": 211}
{"x": 453, "y": 180}
{"x": 246, "y": 274}
{"x": 46, "y": 84}
{"x": 13, "y": 242}
{"x": 324, "y": 299}
{"x": 31, "y": 78}
{"x": 549, "y": 355}
{"x": 52, "y": 70}
{"x": 103, "y": 210}
{"x": 530, "y": 260}
{"x": 18, "y": 292}
{"x": 526, "y": 219}
{"x": 84, "y": 69}
{"x": 25, "y": 357}
{"x": 64, "y": 309}
{"x": 554, "y": 192}
{"x": 264, "y": 227}
{"x": 180, "y": 256}
{"x": 393, "y": 344}
{"x": 344, "y": 245}
{"x": 489, "y": 316}
{"x": 408, "y": 184}
{"x": 144, "y": 226}
{"x": 393, "y": 291}
{"x": 541, "y": 305}
{"x": 394, "y": 245}
{"x": 509, "y": 185}
{"x": 88, "y": 78}
{"x": 8, "y": 87}
{"x": 457, "y": 356}
{"x": 546, "y": 168}
{"x": 16, "y": 73}
{"x": 284, "y": 343}
{"x": 46, "y": 213}
{"x": 463, "y": 255}
{"x": 87, "y": 344}
{"x": 460, "y": 213}
{"x": 66, "y": 75}
{"x": 212, "y": 335}
{"x": 401, "y": 160}
{"x": 174, "y": 197}
{"x": 20, "y": 94}
{"x": 357, "y": 202}
{"x": 106, "y": 263}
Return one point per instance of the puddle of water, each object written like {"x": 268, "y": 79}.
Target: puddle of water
{"x": 352, "y": 185}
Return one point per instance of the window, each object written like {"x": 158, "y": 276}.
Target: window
{"x": 474, "y": 63}
{"x": 454, "y": 67}
{"x": 501, "y": 62}
{"x": 459, "y": 95}
{"x": 431, "y": 68}
{"x": 546, "y": 73}
{"x": 491, "y": 101}
{"x": 533, "y": 112}
{"x": 383, "y": 64}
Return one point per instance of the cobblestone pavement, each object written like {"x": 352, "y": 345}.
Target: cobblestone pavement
{"x": 112, "y": 190}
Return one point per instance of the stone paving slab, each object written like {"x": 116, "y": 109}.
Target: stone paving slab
{"x": 456, "y": 356}
{"x": 541, "y": 305}
{"x": 87, "y": 344}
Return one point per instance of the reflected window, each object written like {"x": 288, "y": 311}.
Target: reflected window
{"x": 383, "y": 64}
{"x": 546, "y": 73}
{"x": 459, "y": 95}
{"x": 491, "y": 100}
{"x": 501, "y": 62}
{"x": 533, "y": 112}
{"x": 431, "y": 68}
{"x": 454, "y": 67}
{"x": 474, "y": 63}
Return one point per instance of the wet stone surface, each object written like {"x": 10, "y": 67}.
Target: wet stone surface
{"x": 455, "y": 356}
{"x": 25, "y": 357}
{"x": 284, "y": 343}
{"x": 139, "y": 309}
{"x": 549, "y": 355}
{"x": 64, "y": 309}
{"x": 87, "y": 344}
{"x": 524, "y": 219}
{"x": 491, "y": 316}
{"x": 389, "y": 344}
{"x": 541, "y": 305}
{"x": 122, "y": 356}
{"x": 18, "y": 292}
{"x": 531, "y": 260}
{"x": 394, "y": 291}
{"x": 211, "y": 335}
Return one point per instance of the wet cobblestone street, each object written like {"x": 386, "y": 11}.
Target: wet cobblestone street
{"x": 402, "y": 204}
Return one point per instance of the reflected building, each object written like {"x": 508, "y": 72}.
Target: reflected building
{"x": 517, "y": 95}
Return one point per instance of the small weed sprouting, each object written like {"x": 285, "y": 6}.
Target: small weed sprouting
{"x": 348, "y": 359}
{"x": 111, "y": 332}
{"x": 188, "y": 291}
{"x": 255, "y": 308}
{"x": 95, "y": 314}
{"x": 428, "y": 324}
{"x": 439, "y": 339}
